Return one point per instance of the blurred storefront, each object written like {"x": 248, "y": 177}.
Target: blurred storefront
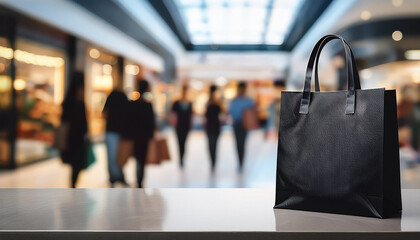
{"x": 101, "y": 75}
{"x": 6, "y": 54}
{"x": 39, "y": 86}
{"x": 36, "y": 65}
{"x": 404, "y": 76}
{"x": 32, "y": 80}
{"x": 105, "y": 71}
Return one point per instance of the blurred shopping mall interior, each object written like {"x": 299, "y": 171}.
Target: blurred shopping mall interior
{"x": 187, "y": 46}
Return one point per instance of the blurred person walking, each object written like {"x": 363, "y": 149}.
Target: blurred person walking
{"x": 273, "y": 120}
{"x": 74, "y": 118}
{"x": 181, "y": 114}
{"x": 115, "y": 111}
{"x": 212, "y": 124}
{"x": 236, "y": 110}
{"x": 140, "y": 127}
{"x": 405, "y": 110}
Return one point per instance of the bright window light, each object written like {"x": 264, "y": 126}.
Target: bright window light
{"x": 274, "y": 39}
{"x": 214, "y": 3}
{"x": 238, "y": 21}
{"x": 412, "y": 54}
{"x": 190, "y": 3}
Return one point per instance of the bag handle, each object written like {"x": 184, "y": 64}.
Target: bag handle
{"x": 350, "y": 100}
{"x": 355, "y": 71}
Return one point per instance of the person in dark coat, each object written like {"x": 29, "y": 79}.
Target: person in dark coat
{"x": 182, "y": 110}
{"x": 140, "y": 128}
{"x": 212, "y": 124}
{"x": 74, "y": 115}
{"x": 114, "y": 110}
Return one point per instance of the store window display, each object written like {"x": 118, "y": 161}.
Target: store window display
{"x": 39, "y": 86}
{"x": 404, "y": 76}
{"x": 6, "y": 54}
{"x": 101, "y": 72}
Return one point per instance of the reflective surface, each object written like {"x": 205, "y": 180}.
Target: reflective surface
{"x": 189, "y": 210}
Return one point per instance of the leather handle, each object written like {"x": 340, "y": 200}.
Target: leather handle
{"x": 350, "y": 99}
{"x": 355, "y": 71}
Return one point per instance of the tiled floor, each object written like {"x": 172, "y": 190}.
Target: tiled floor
{"x": 259, "y": 169}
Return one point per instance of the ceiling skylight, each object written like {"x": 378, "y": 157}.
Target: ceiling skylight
{"x": 238, "y": 21}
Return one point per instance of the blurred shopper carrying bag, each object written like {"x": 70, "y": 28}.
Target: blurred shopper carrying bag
{"x": 338, "y": 151}
{"x": 157, "y": 151}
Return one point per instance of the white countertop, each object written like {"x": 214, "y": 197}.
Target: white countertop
{"x": 184, "y": 210}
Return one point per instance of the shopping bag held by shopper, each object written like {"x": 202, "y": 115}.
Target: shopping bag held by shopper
{"x": 90, "y": 154}
{"x": 338, "y": 151}
{"x": 250, "y": 119}
{"x": 157, "y": 151}
{"x": 125, "y": 151}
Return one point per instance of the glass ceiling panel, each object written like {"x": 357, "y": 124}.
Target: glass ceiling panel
{"x": 238, "y": 21}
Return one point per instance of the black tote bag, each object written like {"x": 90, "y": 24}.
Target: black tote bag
{"x": 338, "y": 151}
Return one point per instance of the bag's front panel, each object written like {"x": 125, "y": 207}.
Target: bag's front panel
{"x": 328, "y": 155}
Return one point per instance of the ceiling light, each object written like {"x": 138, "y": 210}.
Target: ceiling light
{"x": 230, "y": 93}
{"x": 107, "y": 69}
{"x": 197, "y": 84}
{"x": 416, "y": 77}
{"x": 6, "y": 52}
{"x": 19, "y": 84}
{"x": 412, "y": 54}
{"x": 94, "y": 53}
{"x": 365, "y": 15}
{"x": 221, "y": 81}
{"x": 148, "y": 96}
{"x": 40, "y": 60}
{"x": 135, "y": 95}
{"x": 102, "y": 83}
{"x": 5, "y": 83}
{"x": 132, "y": 69}
{"x": 397, "y": 36}
{"x": 397, "y": 3}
